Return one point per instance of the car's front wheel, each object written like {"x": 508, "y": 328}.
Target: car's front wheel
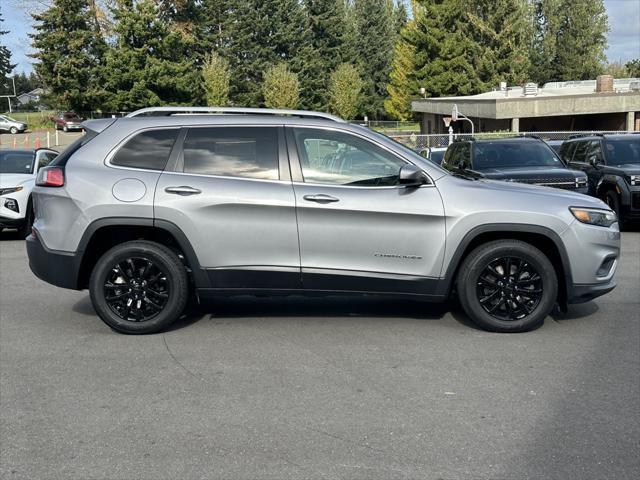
{"x": 507, "y": 286}
{"x": 13, "y": 130}
{"x": 139, "y": 287}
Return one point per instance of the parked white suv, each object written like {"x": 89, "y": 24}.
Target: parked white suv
{"x": 18, "y": 171}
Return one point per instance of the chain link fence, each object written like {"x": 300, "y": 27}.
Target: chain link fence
{"x": 418, "y": 142}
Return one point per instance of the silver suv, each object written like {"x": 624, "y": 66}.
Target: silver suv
{"x": 147, "y": 209}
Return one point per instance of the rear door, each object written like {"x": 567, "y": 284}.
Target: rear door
{"x": 359, "y": 229}
{"x": 229, "y": 191}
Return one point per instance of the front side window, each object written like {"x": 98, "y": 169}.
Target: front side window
{"x": 566, "y": 151}
{"x": 594, "y": 153}
{"x": 149, "y": 150}
{"x": 339, "y": 158}
{"x": 247, "y": 152}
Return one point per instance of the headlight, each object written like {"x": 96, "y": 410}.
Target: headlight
{"x": 581, "y": 182}
{"x": 4, "y": 191}
{"x": 594, "y": 216}
{"x": 634, "y": 180}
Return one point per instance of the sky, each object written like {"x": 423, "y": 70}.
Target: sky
{"x": 624, "y": 34}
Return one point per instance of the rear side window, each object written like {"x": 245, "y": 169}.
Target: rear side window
{"x": 581, "y": 152}
{"x": 149, "y": 150}
{"x": 248, "y": 152}
{"x": 566, "y": 151}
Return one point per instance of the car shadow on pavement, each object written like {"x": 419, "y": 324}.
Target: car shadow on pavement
{"x": 243, "y": 306}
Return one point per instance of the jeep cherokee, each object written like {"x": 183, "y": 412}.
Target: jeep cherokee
{"x": 169, "y": 201}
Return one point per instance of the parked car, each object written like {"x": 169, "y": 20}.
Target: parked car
{"x": 8, "y": 124}
{"x": 67, "y": 121}
{"x": 517, "y": 159}
{"x": 145, "y": 209}
{"x": 612, "y": 164}
{"x": 18, "y": 170}
{"x": 433, "y": 154}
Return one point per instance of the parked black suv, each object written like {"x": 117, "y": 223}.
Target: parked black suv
{"x": 519, "y": 159}
{"x": 612, "y": 165}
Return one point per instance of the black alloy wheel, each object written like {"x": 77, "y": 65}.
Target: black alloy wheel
{"x": 509, "y": 288}
{"x": 137, "y": 289}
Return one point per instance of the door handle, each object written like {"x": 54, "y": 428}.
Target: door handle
{"x": 321, "y": 198}
{"x": 183, "y": 190}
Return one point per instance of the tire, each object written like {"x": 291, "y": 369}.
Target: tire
{"x": 13, "y": 130}
{"x": 498, "y": 302}
{"x": 25, "y": 229}
{"x": 136, "y": 289}
{"x": 612, "y": 199}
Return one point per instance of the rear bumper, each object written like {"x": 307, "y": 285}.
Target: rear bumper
{"x": 57, "y": 268}
{"x": 577, "y": 293}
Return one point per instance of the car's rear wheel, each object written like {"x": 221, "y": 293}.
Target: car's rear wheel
{"x": 507, "y": 286}
{"x": 139, "y": 287}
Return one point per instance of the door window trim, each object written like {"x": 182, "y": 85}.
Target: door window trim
{"x": 296, "y": 168}
{"x": 123, "y": 142}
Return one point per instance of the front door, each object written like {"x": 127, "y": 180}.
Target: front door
{"x": 359, "y": 229}
{"x": 234, "y": 201}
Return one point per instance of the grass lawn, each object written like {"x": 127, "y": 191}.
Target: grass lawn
{"x": 35, "y": 120}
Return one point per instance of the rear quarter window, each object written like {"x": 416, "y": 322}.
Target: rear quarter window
{"x": 148, "y": 150}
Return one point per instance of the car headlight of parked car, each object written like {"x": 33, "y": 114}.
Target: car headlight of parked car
{"x": 634, "y": 180}
{"x": 581, "y": 182}
{"x": 594, "y": 216}
{"x": 4, "y": 191}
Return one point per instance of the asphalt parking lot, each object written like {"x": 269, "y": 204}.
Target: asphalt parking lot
{"x": 316, "y": 388}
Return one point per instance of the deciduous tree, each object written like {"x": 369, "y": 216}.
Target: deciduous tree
{"x": 345, "y": 91}
{"x": 216, "y": 77}
{"x": 281, "y": 88}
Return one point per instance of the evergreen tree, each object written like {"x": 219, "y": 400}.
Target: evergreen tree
{"x": 345, "y": 91}
{"x": 400, "y": 16}
{"x": 570, "y": 39}
{"x": 446, "y": 57}
{"x": 26, "y": 83}
{"x": 147, "y": 65}
{"x": 328, "y": 27}
{"x": 69, "y": 54}
{"x": 263, "y": 33}
{"x": 502, "y": 30}
{"x": 374, "y": 47}
{"x": 5, "y": 63}
{"x": 281, "y": 87}
{"x": 216, "y": 77}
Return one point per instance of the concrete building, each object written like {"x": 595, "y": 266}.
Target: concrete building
{"x": 603, "y": 104}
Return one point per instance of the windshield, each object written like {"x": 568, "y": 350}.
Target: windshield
{"x": 71, "y": 116}
{"x": 16, "y": 162}
{"x": 514, "y": 154}
{"x": 622, "y": 151}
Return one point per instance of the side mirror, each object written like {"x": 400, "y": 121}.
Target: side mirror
{"x": 425, "y": 152}
{"x": 412, "y": 176}
{"x": 594, "y": 161}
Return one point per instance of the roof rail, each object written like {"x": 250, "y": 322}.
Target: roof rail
{"x": 168, "y": 111}
{"x": 581, "y": 135}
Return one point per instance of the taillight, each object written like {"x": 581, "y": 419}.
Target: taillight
{"x": 50, "y": 177}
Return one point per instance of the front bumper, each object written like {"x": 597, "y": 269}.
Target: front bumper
{"x": 583, "y": 293}
{"x": 11, "y": 222}
{"x": 57, "y": 268}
